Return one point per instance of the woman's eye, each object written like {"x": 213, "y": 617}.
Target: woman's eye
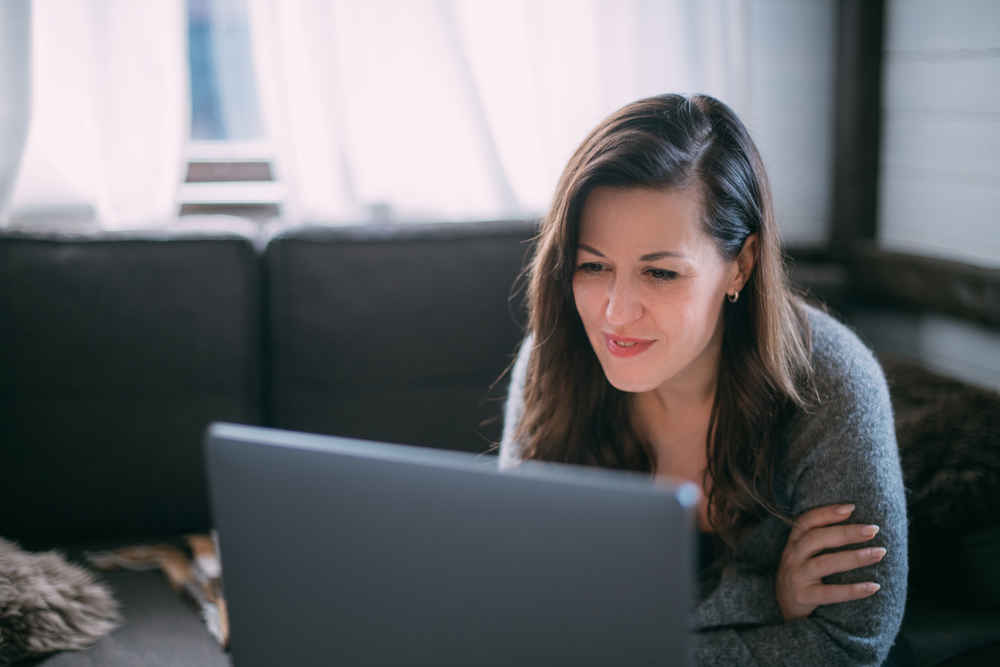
{"x": 662, "y": 274}
{"x": 590, "y": 267}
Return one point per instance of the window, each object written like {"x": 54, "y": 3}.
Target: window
{"x": 230, "y": 161}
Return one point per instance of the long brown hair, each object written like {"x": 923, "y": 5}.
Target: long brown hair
{"x": 572, "y": 414}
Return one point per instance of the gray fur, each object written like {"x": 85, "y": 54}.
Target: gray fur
{"x": 48, "y": 604}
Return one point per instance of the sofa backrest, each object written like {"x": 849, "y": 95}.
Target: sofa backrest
{"x": 116, "y": 353}
{"x": 118, "y": 350}
{"x": 394, "y": 332}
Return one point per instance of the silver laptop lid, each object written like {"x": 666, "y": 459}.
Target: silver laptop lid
{"x": 346, "y": 552}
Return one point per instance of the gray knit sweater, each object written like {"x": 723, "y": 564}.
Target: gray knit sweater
{"x": 844, "y": 452}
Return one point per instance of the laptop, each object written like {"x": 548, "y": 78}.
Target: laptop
{"x": 338, "y": 551}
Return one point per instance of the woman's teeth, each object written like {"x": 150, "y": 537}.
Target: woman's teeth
{"x": 621, "y": 343}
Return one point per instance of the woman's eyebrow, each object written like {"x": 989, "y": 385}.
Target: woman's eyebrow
{"x": 651, "y": 257}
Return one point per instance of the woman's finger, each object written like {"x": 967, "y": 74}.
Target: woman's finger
{"x": 819, "y": 516}
{"x": 820, "y": 594}
{"x": 842, "y": 561}
{"x": 830, "y": 537}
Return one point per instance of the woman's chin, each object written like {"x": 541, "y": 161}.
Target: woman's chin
{"x": 633, "y": 385}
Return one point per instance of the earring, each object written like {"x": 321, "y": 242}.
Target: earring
{"x": 734, "y": 296}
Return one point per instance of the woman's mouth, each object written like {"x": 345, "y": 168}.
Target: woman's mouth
{"x": 623, "y": 346}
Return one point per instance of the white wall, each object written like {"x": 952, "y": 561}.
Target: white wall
{"x": 939, "y": 192}
{"x": 792, "y": 54}
{"x": 938, "y": 189}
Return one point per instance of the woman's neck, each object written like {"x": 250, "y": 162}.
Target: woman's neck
{"x": 674, "y": 419}
{"x": 693, "y": 389}
{"x": 681, "y": 429}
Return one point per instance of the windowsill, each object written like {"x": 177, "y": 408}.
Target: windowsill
{"x": 228, "y": 151}
{"x": 243, "y": 192}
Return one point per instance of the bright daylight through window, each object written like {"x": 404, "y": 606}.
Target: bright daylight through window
{"x": 230, "y": 165}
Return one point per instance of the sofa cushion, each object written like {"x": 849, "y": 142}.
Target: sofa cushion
{"x": 117, "y": 351}
{"x": 393, "y": 332}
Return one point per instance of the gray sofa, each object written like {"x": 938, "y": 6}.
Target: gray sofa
{"x": 118, "y": 350}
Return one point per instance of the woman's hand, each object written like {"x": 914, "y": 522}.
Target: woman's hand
{"x": 799, "y": 587}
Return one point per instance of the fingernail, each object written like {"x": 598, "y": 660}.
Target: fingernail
{"x": 873, "y": 587}
{"x": 845, "y": 509}
{"x": 870, "y": 531}
{"x": 877, "y": 553}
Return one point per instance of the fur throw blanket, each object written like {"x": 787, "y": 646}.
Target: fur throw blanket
{"x": 949, "y": 446}
{"x": 48, "y": 604}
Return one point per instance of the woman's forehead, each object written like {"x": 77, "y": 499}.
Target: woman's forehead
{"x": 643, "y": 220}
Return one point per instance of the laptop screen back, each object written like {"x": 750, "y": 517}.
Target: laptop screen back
{"x": 340, "y": 551}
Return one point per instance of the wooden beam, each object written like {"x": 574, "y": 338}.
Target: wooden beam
{"x": 872, "y": 276}
{"x": 858, "y": 120}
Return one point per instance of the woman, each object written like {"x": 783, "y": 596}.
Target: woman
{"x": 663, "y": 337}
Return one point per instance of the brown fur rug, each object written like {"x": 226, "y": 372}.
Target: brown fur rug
{"x": 949, "y": 445}
{"x": 48, "y": 604}
{"x": 949, "y": 441}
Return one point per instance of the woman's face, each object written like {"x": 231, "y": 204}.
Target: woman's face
{"x": 649, "y": 286}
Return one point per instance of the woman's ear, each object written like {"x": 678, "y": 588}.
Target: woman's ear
{"x": 745, "y": 262}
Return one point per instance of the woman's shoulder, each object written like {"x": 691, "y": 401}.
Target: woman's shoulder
{"x": 852, "y": 396}
{"x": 844, "y": 366}
{"x": 510, "y": 449}
{"x": 519, "y": 369}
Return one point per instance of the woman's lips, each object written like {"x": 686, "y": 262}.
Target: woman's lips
{"x": 623, "y": 346}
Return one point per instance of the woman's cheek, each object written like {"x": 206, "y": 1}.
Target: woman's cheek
{"x": 677, "y": 312}
{"x": 586, "y": 295}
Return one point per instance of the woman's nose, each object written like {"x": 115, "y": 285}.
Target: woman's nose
{"x": 623, "y": 306}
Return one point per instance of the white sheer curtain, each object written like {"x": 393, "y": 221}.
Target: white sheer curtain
{"x": 109, "y": 114}
{"x": 15, "y": 47}
{"x": 460, "y": 109}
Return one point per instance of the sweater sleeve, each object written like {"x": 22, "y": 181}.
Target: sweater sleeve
{"x": 510, "y": 451}
{"x": 848, "y": 454}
